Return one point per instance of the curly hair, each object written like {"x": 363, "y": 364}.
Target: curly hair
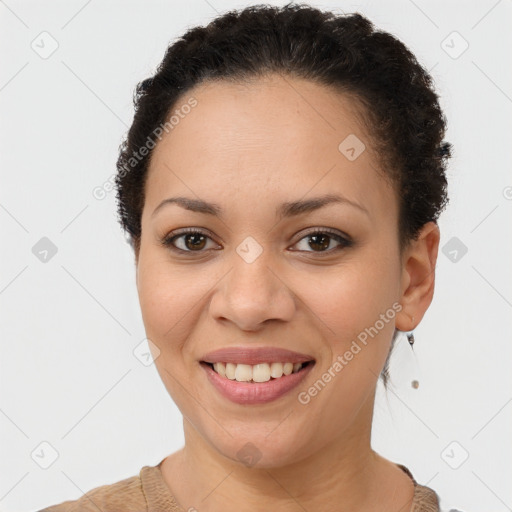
{"x": 395, "y": 95}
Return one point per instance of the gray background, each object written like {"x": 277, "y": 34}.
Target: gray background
{"x": 70, "y": 321}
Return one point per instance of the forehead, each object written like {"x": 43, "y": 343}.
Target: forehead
{"x": 278, "y": 134}
{"x": 271, "y": 110}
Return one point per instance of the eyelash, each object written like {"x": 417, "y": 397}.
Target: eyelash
{"x": 168, "y": 240}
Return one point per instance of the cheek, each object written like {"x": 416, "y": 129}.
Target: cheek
{"x": 352, "y": 297}
{"x": 169, "y": 301}
{"x": 354, "y": 306}
{"x": 170, "y": 304}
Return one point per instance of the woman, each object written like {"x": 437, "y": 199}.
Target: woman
{"x": 281, "y": 184}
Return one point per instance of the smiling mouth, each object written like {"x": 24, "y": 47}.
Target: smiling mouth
{"x": 263, "y": 372}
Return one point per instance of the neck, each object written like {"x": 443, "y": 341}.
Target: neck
{"x": 344, "y": 475}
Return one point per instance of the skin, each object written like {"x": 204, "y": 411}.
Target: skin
{"x": 248, "y": 148}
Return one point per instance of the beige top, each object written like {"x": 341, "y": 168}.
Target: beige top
{"x": 148, "y": 492}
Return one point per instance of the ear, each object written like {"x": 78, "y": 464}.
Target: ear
{"x": 418, "y": 277}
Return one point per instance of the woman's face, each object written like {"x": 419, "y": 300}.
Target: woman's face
{"x": 260, "y": 278}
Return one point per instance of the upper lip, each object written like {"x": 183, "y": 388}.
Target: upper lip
{"x": 245, "y": 355}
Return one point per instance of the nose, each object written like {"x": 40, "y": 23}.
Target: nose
{"x": 252, "y": 294}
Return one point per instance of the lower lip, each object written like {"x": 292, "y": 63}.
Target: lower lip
{"x": 255, "y": 392}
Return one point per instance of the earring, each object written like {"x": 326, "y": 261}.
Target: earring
{"x": 410, "y": 336}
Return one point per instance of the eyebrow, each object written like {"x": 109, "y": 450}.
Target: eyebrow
{"x": 288, "y": 209}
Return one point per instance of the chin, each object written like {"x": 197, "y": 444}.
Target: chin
{"x": 262, "y": 450}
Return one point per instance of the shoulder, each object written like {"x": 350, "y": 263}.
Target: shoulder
{"x": 126, "y": 495}
{"x": 425, "y": 498}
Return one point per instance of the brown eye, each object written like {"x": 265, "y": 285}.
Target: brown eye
{"x": 194, "y": 241}
{"x": 190, "y": 240}
{"x": 320, "y": 241}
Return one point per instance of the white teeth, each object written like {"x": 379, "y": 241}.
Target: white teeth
{"x": 220, "y": 368}
{"x": 261, "y": 372}
{"x": 287, "y": 368}
{"x": 230, "y": 371}
{"x": 243, "y": 372}
{"x": 276, "y": 370}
